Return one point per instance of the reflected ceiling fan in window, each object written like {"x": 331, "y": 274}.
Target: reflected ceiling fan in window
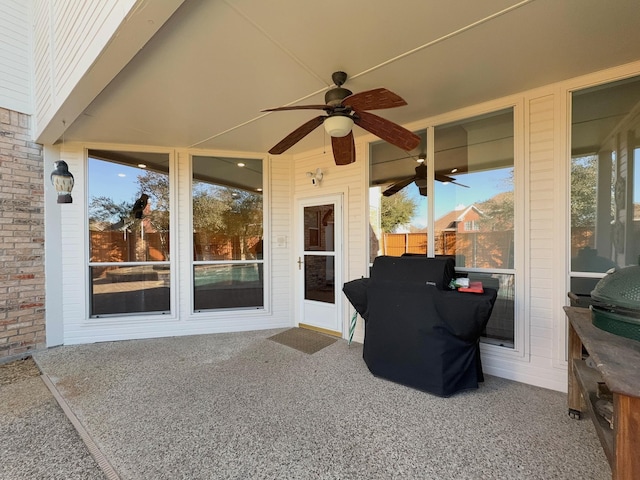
{"x": 344, "y": 109}
{"x": 420, "y": 179}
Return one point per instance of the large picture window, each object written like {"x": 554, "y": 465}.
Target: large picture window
{"x": 227, "y": 212}
{"x": 605, "y": 181}
{"x": 129, "y": 213}
{"x": 473, "y": 205}
{"x": 474, "y": 208}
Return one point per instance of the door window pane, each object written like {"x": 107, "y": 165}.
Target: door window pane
{"x": 318, "y": 228}
{"x": 605, "y": 181}
{"x": 129, "y": 216}
{"x": 319, "y": 236}
{"x": 319, "y": 282}
{"x": 227, "y": 212}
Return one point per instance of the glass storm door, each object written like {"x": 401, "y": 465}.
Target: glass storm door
{"x": 318, "y": 264}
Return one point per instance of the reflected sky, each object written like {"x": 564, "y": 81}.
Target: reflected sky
{"x": 482, "y": 187}
{"x": 113, "y": 180}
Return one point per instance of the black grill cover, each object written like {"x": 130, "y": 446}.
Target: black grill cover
{"x": 356, "y": 293}
{"x": 431, "y": 271}
{"x": 417, "y": 334}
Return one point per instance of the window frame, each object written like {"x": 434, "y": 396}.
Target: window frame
{"x": 189, "y": 266}
{"x": 520, "y": 269}
{"x": 136, "y": 317}
{"x": 599, "y": 82}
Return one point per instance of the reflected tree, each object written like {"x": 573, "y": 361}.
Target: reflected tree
{"x": 230, "y": 213}
{"x": 584, "y": 177}
{"x": 396, "y": 210}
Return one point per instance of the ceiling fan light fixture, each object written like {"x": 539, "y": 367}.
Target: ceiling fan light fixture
{"x": 338, "y": 125}
{"x": 421, "y": 158}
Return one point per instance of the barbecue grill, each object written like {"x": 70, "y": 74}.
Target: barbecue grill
{"x": 615, "y": 303}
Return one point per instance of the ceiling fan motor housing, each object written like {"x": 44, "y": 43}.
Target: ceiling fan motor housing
{"x": 334, "y": 96}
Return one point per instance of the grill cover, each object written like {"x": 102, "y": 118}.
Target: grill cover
{"x": 417, "y": 332}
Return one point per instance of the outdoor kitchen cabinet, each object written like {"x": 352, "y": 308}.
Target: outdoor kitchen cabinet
{"x": 617, "y": 364}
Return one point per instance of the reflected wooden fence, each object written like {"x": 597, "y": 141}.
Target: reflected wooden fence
{"x": 473, "y": 249}
{"x": 395, "y": 244}
{"x": 120, "y": 246}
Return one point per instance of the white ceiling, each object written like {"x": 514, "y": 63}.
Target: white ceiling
{"x": 209, "y": 71}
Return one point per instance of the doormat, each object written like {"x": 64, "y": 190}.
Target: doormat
{"x": 304, "y": 340}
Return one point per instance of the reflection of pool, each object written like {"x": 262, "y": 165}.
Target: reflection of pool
{"x": 205, "y": 275}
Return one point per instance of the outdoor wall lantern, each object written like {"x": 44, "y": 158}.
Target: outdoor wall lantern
{"x": 62, "y": 180}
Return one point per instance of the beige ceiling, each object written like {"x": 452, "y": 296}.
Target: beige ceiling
{"x": 203, "y": 79}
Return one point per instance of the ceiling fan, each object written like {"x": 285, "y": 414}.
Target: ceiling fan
{"x": 420, "y": 179}
{"x": 344, "y": 108}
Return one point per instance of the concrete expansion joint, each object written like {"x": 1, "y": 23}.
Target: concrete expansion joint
{"x": 93, "y": 448}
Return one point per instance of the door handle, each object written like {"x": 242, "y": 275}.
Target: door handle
{"x": 300, "y": 262}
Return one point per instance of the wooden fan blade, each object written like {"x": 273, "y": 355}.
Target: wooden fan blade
{"x": 396, "y": 187}
{"x": 375, "y": 99}
{"x": 298, "y": 134}
{"x": 423, "y": 191}
{"x": 344, "y": 149}
{"x": 299, "y": 107}
{"x": 387, "y": 130}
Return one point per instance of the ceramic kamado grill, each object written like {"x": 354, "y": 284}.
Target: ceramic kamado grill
{"x": 615, "y": 305}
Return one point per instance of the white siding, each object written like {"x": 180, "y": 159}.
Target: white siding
{"x": 43, "y": 71}
{"x": 280, "y": 218}
{"x": 347, "y": 180}
{"x": 68, "y": 38}
{"x": 15, "y": 55}
{"x": 542, "y": 203}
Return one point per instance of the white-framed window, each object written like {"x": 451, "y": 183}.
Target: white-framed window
{"x": 473, "y": 205}
{"x": 129, "y": 211}
{"x": 474, "y": 172}
{"x": 605, "y": 182}
{"x": 227, "y": 207}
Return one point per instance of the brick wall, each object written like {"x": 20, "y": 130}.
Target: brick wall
{"x": 22, "y": 316}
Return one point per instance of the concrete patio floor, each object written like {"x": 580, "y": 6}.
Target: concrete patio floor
{"x": 241, "y": 406}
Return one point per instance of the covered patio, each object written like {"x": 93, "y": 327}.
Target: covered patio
{"x": 239, "y": 405}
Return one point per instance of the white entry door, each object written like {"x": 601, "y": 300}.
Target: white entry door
{"x": 319, "y": 263}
